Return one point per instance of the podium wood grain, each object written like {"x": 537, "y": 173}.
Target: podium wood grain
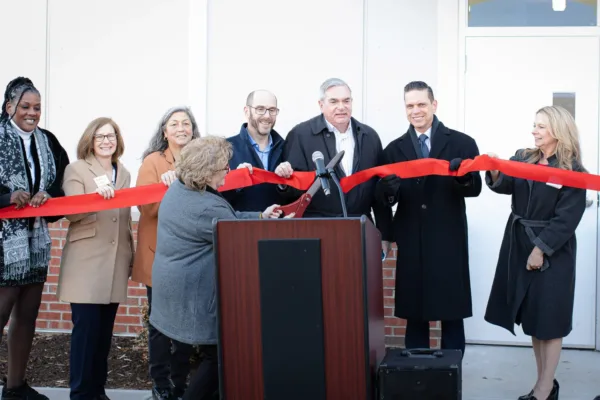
{"x": 352, "y": 296}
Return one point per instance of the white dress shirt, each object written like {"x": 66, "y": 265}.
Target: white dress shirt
{"x": 344, "y": 141}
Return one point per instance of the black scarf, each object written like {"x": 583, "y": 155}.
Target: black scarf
{"x": 24, "y": 249}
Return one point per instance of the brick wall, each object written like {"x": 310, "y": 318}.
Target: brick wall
{"x": 56, "y": 316}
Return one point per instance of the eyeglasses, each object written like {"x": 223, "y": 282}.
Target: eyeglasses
{"x": 224, "y": 169}
{"x": 262, "y": 110}
{"x": 100, "y": 138}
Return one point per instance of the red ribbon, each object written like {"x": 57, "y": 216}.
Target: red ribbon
{"x": 240, "y": 178}
{"x": 428, "y": 166}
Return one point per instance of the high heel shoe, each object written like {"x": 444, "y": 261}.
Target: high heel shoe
{"x": 526, "y": 396}
{"x": 555, "y": 390}
{"x": 552, "y": 396}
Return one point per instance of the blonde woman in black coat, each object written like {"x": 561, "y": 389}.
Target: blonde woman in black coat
{"x": 534, "y": 285}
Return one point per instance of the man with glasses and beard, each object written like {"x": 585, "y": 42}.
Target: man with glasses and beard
{"x": 258, "y": 145}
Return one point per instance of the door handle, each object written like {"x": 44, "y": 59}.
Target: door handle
{"x": 589, "y": 202}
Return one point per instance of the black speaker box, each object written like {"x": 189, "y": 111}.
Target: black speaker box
{"x": 420, "y": 374}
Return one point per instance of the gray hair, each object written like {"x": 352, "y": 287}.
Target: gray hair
{"x": 328, "y": 84}
{"x": 158, "y": 142}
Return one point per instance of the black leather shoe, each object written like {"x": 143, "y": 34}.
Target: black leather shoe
{"x": 555, "y": 389}
{"x": 23, "y": 392}
{"x": 526, "y": 396}
{"x": 161, "y": 393}
{"x": 553, "y": 394}
{"x": 177, "y": 393}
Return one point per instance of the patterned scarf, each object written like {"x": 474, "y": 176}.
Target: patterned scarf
{"x": 24, "y": 251}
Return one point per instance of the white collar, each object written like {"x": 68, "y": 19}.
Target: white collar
{"x": 334, "y": 129}
{"x": 19, "y": 130}
{"x": 426, "y": 133}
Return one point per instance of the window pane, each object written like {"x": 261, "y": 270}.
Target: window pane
{"x": 565, "y": 100}
{"x": 503, "y": 13}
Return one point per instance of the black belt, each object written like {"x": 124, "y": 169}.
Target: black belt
{"x": 528, "y": 224}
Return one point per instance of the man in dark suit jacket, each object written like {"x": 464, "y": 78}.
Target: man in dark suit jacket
{"x": 430, "y": 225}
{"x": 258, "y": 145}
{"x": 330, "y": 132}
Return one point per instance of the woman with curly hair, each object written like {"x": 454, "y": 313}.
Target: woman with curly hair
{"x": 183, "y": 273}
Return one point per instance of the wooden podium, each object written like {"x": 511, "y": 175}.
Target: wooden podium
{"x": 300, "y": 305}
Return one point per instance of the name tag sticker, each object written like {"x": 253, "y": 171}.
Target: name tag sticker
{"x": 555, "y": 185}
{"x": 102, "y": 181}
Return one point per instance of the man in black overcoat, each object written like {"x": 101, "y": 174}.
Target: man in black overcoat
{"x": 430, "y": 225}
{"x": 330, "y": 132}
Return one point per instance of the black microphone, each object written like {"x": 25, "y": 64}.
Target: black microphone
{"x": 319, "y": 161}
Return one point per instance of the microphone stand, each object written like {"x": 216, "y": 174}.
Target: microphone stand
{"x": 335, "y": 180}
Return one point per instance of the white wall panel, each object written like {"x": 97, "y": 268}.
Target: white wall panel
{"x": 401, "y": 46}
{"x": 287, "y": 47}
{"x": 448, "y": 63}
{"x": 197, "y": 59}
{"x": 123, "y": 59}
{"x": 24, "y": 45}
{"x": 132, "y": 60}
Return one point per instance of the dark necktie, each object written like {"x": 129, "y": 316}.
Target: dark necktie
{"x": 424, "y": 148}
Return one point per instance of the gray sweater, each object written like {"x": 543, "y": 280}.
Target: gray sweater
{"x": 183, "y": 273}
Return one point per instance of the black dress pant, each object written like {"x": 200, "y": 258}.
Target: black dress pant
{"x": 91, "y": 340}
{"x": 169, "y": 359}
{"x": 205, "y": 381}
{"x": 453, "y": 335}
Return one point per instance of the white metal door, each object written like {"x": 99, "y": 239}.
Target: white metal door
{"x": 507, "y": 79}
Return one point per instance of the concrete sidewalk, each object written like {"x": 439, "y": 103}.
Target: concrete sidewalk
{"x": 489, "y": 373}
{"x": 501, "y": 373}
{"x": 63, "y": 394}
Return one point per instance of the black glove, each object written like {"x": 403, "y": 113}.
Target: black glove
{"x": 454, "y": 165}
{"x": 386, "y": 191}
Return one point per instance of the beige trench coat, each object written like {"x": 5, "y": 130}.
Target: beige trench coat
{"x": 98, "y": 253}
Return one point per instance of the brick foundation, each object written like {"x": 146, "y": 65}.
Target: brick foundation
{"x": 56, "y": 316}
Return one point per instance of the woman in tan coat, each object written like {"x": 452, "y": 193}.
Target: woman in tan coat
{"x": 97, "y": 257}
{"x": 169, "y": 360}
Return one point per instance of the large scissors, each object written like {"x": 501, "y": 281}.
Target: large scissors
{"x": 299, "y": 206}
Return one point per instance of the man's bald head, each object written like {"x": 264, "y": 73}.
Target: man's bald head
{"x": 260, "y": 97}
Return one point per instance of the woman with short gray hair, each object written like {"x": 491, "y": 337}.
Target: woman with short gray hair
{"x": 184, "y": 300}
{"x": 169, "y": 368}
